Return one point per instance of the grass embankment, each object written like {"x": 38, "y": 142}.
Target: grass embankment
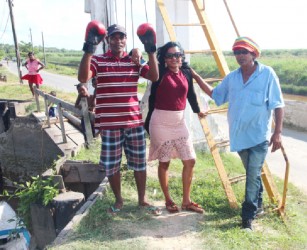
{"x": 219, "y": 228}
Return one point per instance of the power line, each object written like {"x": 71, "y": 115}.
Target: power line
{"x": 7, "y": 20}
{"x": 2, "y": 16}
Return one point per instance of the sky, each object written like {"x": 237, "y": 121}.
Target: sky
{"x": 273, "y": 24}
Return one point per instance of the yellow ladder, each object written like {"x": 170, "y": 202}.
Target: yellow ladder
{"x": 224, "y": 70}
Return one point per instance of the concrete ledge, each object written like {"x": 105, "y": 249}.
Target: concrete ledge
{"x": 295, "y": 115}
{"x": 80, "y": 214}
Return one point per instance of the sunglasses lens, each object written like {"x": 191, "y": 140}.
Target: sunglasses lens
{"x": 239, "y": 52}
{"x": 173, "y": 55}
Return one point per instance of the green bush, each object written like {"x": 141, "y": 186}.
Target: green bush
{"x": 37, "y": 191}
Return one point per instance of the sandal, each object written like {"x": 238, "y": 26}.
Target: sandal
{"x": 194, "y": 207}
{"x": 113, "y": 210}
{"x": 171, "y": 207}
{"x": 151, "y": 210}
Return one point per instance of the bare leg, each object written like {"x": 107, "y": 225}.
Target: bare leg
{"x": 115, "y": 184}
{"x": 140, "y": 180}
{"x": 31, "y": 87}
{"x": 187, "y": 175}
{"x": 163, "y": 179}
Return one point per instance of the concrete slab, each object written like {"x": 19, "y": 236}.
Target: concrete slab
{"x": 74, "y": 137}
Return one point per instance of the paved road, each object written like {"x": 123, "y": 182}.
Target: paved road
{"x": 58, "y": 82}
{"x": 295, "y": 142}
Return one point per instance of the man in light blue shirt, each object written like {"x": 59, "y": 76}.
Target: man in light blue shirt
{"x": 253, "y": 93}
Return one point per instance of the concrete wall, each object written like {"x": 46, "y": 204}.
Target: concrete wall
{"x": 295, "y": 115}
{"x": 26, "y": 150}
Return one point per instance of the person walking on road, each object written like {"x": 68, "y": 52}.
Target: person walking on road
{"x": 254, "y": 94}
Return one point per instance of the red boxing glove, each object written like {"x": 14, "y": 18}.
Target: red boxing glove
{"x": 94, "y": 34}
{"x": 147, "y": 35}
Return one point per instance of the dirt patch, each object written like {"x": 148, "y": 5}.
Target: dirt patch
{"x": 171, "y": 231}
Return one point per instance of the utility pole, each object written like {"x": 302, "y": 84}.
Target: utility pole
{"x": 44, "y": 48}
{"x": 31, "y": 40}
{"x": 15, "y": 41}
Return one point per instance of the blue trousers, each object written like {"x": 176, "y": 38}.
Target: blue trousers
{"x": 253, "y": 159}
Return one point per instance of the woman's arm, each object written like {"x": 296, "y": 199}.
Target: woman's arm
{"x": 41, "y": 66}
{"x": 202, "y": 83}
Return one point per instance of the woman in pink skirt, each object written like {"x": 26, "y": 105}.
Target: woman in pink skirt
{"x": 169, "y": 135}
{"x": 33, "y": 66}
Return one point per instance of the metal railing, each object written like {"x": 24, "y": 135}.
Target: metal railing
{"x": 68, "y": 110}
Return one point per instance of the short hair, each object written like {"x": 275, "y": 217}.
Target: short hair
{"x": 53, "y": 93}
{"x": 31, "y": 54}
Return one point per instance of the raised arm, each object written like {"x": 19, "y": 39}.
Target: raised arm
{"x": 147, "y": 35}
{"x": 94, "y": 34}
{"x": 153, "y": 73}
{"x": 84, "y": 73}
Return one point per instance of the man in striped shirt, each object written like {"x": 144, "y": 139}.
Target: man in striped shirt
{"x": 117, "y": 111}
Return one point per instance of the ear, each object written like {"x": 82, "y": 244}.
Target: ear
{"x": 108, "y": 39}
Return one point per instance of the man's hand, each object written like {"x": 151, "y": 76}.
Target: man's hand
{"x": 94, "y": 34}
{"x": 147, "y": 35}
{"x": 275, "y": 141}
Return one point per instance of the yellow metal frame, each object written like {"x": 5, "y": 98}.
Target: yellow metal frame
{"x": 206, "y": 27}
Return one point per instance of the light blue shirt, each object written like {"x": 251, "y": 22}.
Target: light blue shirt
{"x": 250, "y": 105}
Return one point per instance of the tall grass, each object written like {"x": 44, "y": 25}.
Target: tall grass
{"x": 290, "y": 68}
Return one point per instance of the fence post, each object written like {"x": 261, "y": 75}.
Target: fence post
{"x": 86, "y": 120}
{"x": 47, "y": 111}
{"x": 36, "y": 99}
{"x": 60, "y": 111}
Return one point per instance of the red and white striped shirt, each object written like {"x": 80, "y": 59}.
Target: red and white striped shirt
{"x": 117, "y": 104}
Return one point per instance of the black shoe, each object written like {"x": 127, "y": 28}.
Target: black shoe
{"x": 247, "y": 224}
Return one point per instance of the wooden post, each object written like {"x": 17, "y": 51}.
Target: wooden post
{"x": 86, "y": 119}
{"x": 36, "y": 99}
{"x": 47, "y": 111}
{"x": 62, "y": 123}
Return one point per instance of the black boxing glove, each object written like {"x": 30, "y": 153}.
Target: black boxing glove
{"x": 94, "y": 34}
{"x": 147, "y": 35}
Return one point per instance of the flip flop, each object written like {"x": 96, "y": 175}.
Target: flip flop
{"x": 152, "y": 210}
{"x": 113, "y": 210}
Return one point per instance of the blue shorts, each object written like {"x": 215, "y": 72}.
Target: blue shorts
{"x": 132, "y": 140}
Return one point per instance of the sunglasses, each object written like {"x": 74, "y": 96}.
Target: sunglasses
{"x": 173, "y": 55}
{"x": 240, "y": 51}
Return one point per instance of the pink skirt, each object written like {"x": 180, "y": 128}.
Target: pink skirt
{"x": 37, "y": 79}
{"x": 169, "y": 137}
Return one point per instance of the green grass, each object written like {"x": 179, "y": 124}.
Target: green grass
{"x": 289, "y": 68}
{"x": 14, "y": 90}
{"x": 220, "y": 228}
